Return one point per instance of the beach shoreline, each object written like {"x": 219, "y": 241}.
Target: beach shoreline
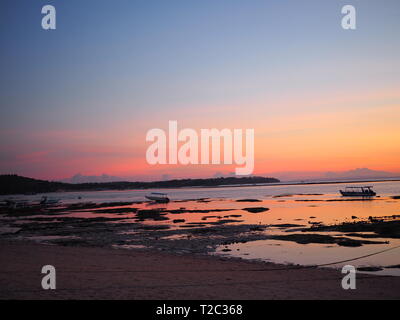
{"x": 104, "y": 187}
{"x": 107, "y": 273}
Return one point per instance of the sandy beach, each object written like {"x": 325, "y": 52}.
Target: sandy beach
{"x": 99, "y": 273}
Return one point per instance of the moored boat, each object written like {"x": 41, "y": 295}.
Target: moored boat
{"x": 46, "y": 201}
{"x": 358, "y": 192}
{"x": 158, "y": 197}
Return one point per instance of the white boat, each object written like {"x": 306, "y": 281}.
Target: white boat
{"x": 358, "y": 192}
{"x": 158, "y": 197}
{"x": 14, "y": 204}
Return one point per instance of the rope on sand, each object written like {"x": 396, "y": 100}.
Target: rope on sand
{"x": 330, "y": 263}
{"x": 365, "y": 256}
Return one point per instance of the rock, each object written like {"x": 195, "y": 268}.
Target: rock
{"x": 256, "y": 209}
{"x": 397, "y": 266}
{"x": 370, "y": 269}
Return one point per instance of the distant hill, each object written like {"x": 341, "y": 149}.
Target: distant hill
{"x": 360, "y": 173}
{"x": 355, "y": 174}
{"x": 79, "y": 178}
{"x": 14, "y": 184}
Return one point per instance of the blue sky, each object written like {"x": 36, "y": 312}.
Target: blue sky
{"x": 113, "y": 65}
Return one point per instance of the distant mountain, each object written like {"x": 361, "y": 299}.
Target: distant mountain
{"x": 356, "y": 174}
{"x": 13, "y": 184}
{"x": 360, "y": 173}
{"x": 79, "y": 178}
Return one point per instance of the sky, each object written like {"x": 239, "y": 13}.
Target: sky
{"x": 81, "y": 98}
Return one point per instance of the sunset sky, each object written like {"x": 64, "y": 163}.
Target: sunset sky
{"x": 81, "y": 98}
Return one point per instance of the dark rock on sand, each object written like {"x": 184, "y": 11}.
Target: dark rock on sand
{"x": 362, "y": 235}
{"x": 209, "y": 217}
{"x": 385, "y": 229}
{"x": 315, "y": 223}
{"x": 155, "y": 215}
{"x": 152, "y": 228}
{"x": 256, "y": 209}
{"x": 358, "y": 199}
{"x": 224, "y": 221}
{"x": 320, "y": 238}
{"x": 258, "y": 228}
{"x": 286, "y": 225}
{"x": 91, "y": 205}
{"x": 396, "y": 266}
{"x": 116, "y": 210}
{"x": 193, "y": 225}
{"x": 297, "y": 194}
{"x": 180, "y": 211}
{"x": 371, "y": 269}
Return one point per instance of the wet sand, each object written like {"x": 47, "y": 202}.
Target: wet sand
{"x": 102, "y": 273}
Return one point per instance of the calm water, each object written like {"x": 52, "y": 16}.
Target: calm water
{"x": 292, "y": 206}
{"x": 260, "y": 192}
